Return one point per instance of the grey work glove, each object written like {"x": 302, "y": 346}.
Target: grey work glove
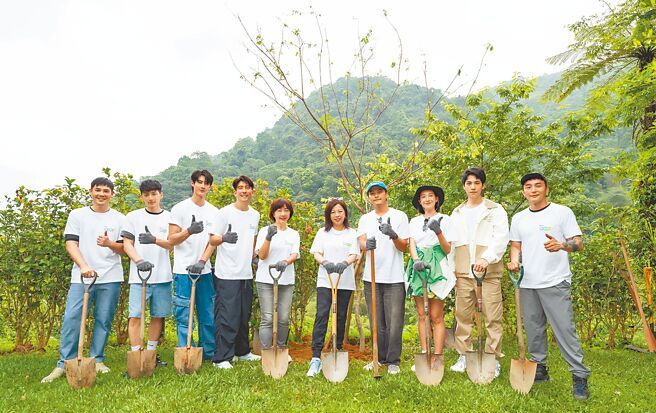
{"x": 271, "y": 231}
{"x": 147, "y": 237}
{"x": 328, "y": 266}
{"x": 281, "y": 265}
{"x": 386, "y": 229}
{"x": 340, "y": 267}
{"x": 230, "y": 237}
{"x": 435, "y": 226}
{"x": 143, "y": 265}
{"x": 196, "y": 268}
{"x": 370, "y": 244}
{"x": 196, "y": 227}
{"x": 420, "y": 266}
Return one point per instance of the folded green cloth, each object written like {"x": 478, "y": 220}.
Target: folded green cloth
{"x": 433, "y": 256}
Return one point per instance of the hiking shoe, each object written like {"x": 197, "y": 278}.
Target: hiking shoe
{"x": 223, "y": 365}
{"x": 461, "y": 365}
{"x": 249, "y": 357}
{"x": 393, "y": 369}
{"x": 370, "y": 366}
{"x": 315, "y": 367}
{"x": 54, "y": 375}
{"x": 159, "y": 362}
{"x": 580, "y": 388}
{"x": 497, "y": 370}
{"x": 541, "y": 373}
{"x": 101, "y": 368}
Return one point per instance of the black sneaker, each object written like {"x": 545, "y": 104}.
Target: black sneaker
{"x": 541, "y": 373}
{"x": 159, "y": 362}
{"x": 580, "y": 388}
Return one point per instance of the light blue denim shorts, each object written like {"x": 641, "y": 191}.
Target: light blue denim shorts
{"x": 159, "y": 296}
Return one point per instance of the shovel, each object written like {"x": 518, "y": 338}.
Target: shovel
{"x": 480, "y": 365}
{"x": 81, "y": 371}
{"x": 429, "y": 367}
{"x": 334, "y": 364}
{"x": 522, "y": 371}
{"x": 189, "y": 359}
{"x": 142, "y": 362}
{"x": 374, "y": 322}
{"x": 275, "y": 359}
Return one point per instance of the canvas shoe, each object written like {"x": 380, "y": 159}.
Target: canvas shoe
{"x": 370, "y": 366}
{"x": 101, "y": 368}
{"x": 54, "y": 375}
{"x": 580, "y": 388}
{"x": 249, "y": 357}
{"x": 223, "y": 365}
{"x": 315, "y": 367}
{"x": 159, "y": 362}
{"x": 497, "y": 370}
{"x": 460, "y": 366}
{"x": 393, "y": 369}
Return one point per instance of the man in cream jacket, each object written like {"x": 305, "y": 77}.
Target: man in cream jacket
{"x": 482, "y": 238}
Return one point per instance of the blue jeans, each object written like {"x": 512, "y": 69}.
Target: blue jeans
{"x": 104, "y": 298}
{"x": 204, "y": 311}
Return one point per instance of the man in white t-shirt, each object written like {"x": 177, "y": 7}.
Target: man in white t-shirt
{"x": 93, "y": 241}
{"x": 234, "y": 233}
{"x": 189, "y": 235}
{"x": 541, "y": 237}
{"x": 481, "y": 241}
{"x": 385, "y": 230}
{"x": 146, "y": 243}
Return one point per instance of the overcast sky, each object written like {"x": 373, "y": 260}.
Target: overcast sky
{"x": 134, "y": 85}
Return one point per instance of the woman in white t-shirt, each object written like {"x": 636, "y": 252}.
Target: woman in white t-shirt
{"x": 430, "y": 243}
{"x": 335, "y": 247}
{"x": 277, "y": 245}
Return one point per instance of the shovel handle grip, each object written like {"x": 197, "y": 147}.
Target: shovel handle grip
{"x": 275, "y": 278}
{"x": 517, "y": 280}
{"x": 193, "y": 277}
{"x": 144, "y": 279}
{"x": 87, "y": 286}
{"x": 479, "y": 280}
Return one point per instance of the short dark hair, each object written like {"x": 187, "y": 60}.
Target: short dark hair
{"x": 103, "y": 181}
{"x": 332, "y": 203}
{"x": 195, "y": 176}
{"x": 477, "y": 172}
{"x": 243, "y": 178}
{"x": 279, "y": 203}
{"x": 150, "y": 185}
{"x": 532, "y": 176}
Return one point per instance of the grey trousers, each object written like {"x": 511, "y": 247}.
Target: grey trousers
{"x": 552, "y": 305}
{"x": 265, "y": 295}
{"x": 390, "y": 313}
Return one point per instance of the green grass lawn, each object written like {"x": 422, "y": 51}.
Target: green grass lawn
{"x": 622, "y": 381}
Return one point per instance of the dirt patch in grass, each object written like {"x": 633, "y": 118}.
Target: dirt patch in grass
{"x": 303, "y": 351}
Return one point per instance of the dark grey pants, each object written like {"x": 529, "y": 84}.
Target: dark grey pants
{"x": 232, "y": 312}
{"x": 552, "y": 305}
{"x": 390, "y": 312}
{"x": 324, "y": 309}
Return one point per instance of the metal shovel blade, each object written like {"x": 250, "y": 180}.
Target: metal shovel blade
{"x": 275, "y": 362}
{"x": 522, "y": 374}
{"x": 480, "y": 367}
{"x": 141, "y": 363}
{"x": 81, "y": 373}
{"x": 334, "y": 365}
{"x": 429, "y": 373}
{"x": 187, "y": 359}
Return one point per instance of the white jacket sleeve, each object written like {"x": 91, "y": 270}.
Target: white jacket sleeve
{"x": 500, "y": 236}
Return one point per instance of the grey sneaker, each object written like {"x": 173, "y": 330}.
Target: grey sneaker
{"x": 393, "y": 369}
{"x": 370, "y": 366}
{"x": 315, "y": 367}
{"x": 497, "y": 370}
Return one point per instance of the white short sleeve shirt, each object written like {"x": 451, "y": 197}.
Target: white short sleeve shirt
{"x": 190, "y": 250}
{"x": 158, "y": 225}
{"x": 283, "y": 244}
{"x": 336, "y": 246}
{"x": 233, "y": 261}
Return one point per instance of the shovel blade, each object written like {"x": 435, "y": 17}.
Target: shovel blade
{"x": 187, "y": 360}
{"x": 429, "y": 373}
{"x": 275, "y": 362}
{"x": 141, "y": 363}
{"x": 334, "y": 365}
{"x": 82, "y": 373}
{"x": 480, "y": 372}
{"x": 522, "y": 374}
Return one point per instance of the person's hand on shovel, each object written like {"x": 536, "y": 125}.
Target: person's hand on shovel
{"x": 420, "y": 266}
{"x": 370, "y": 244}
{"x": 281, "y": 265}
{"x": 230, "y": 237}
{"x": 513, "y": 266}
{"x": 480, "y": 265}
{"x": 328, "y": 266}
{"x": 87, "y": 272}
{"x": 339, "y": 267}
{"x": 197, "y": 268}
{"x": 387, "y": 229}
{"x": 196, "y": 227}
{"x": 143, "y": 265}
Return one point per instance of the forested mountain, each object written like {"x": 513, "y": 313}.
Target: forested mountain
{"x": 285, "y": 156}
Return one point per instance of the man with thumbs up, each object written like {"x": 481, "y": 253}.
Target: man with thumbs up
{"x": 234, "y": 233}
{"x": 146, "y": 243}
{"x": 386, "y": 231}
{"x": 189, "y": 235}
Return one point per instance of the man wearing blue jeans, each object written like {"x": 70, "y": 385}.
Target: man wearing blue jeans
{"x": 189, "y": 235}
{"x": 92, "y": 240}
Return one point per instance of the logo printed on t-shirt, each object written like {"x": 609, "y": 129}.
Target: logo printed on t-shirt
{"x": 545, "y": 227}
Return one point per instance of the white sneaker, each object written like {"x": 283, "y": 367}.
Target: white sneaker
{"x": 54, "y": 375}
{"x": 370, "y": 366}
{"x": 315, "y": 367}
{"x": 223, "y": 365}
{"x": 393, "y": 369}
{"x": 289, "y": 358}
{"x": 460, "y": 366}
{"x": 497, "y": 370}
{"x": 101, "y": 368}
{"x": 250, "y": 357}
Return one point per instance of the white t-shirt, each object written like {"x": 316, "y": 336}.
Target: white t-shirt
{"x": 336, "y": 246}
{"x": 428, "y": 238}
{"x": 283, "y": 244}
{"x": 233, "y": 261}
{"x": 389, "y": 260}
{"x": 542, "y": 268}
{"x": 472, "y": 216}
{"x": 158, "y": 225}
{"x": 190, "y": 250}
{"x": 88, "y": 225}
